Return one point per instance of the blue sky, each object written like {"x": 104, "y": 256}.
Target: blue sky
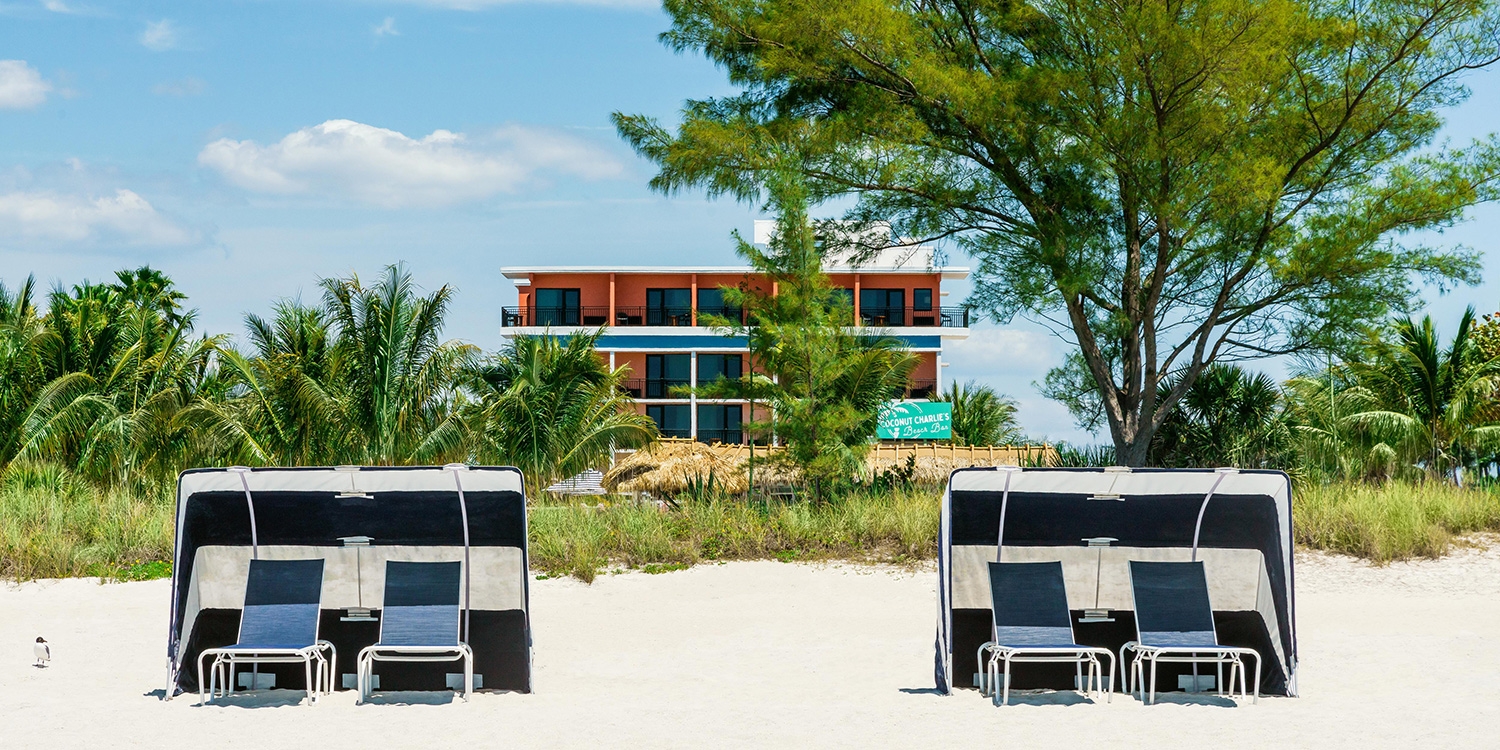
{"x": 249, "y": 148}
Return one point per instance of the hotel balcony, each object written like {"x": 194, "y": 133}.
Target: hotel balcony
{"x": 593, "y": 316}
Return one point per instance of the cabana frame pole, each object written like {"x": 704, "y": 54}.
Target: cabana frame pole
{"x": 1198, "y": 526}
{"x": 463, "y": 511}
{"x": 244, "y": 472}
{"x": 1010, "y": 471}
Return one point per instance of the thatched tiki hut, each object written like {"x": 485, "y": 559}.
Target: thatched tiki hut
{"x": 674, "y": 466}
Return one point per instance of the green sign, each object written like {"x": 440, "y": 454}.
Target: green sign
{"x": 915, "y": 420}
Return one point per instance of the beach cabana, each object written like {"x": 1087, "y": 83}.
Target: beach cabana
{"x": 355, "y": 520}
{"x": 1095, "y": 522}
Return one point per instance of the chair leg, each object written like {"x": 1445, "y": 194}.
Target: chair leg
{"x": 1152, "y": 698}
{"x": 468, "y": 675}
{"x": 1005, "y": 701}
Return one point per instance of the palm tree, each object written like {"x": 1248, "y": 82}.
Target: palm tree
{"x": 22, "y": 335}
{"x": 395, "y": 378}
{"x": 272, "y": 412}
{"x": 981, "y": 416}
{"x": 1229, "y": 417}
{"x": 120, "y": 374}
{"x": 1431, "y": 403}
{"x": 551, "y": 407}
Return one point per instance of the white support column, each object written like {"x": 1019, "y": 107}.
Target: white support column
{"x": 611, "y": 360}
{"x": 693, "y": 397}
{"x": 937, "y": 382}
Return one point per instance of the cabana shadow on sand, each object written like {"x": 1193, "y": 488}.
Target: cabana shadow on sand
{"x": 354, "y": 519}
{"x": 1095, "y": 521}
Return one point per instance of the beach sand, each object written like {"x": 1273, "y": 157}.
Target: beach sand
{"x": 766, "y": 654}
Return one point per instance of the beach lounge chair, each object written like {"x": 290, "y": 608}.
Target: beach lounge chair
{"x": 279, "y": 624}
{"x": 1174, "y": 622}
{"x": 1031, "y": 623}
{"x": 419, "y": 620}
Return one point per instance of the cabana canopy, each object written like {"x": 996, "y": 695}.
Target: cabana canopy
{"x": 355, "y": 519}
{"x": 1238, "y": 522}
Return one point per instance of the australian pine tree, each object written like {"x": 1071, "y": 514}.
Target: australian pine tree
{"x": 821, "y": 380}
{"x": 1166, "y": 184}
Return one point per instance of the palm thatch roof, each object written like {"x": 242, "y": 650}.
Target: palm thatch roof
{"x": 673, "y": 466}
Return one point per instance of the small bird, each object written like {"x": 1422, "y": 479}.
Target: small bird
{"x": 43, "y": 651}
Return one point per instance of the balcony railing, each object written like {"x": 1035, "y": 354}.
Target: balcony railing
{"x": 662, "y": 387}
{"x": 730, "y": 436}
{"x": 896, "y": 317}
{"x": 921, "y": 389}
{"x": 597, "y": 315}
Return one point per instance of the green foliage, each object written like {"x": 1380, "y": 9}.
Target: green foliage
{"x": 53, "y": 523}
{"x": 551, "y": 407}
{"x": 875, "y": 525}
{"x": 826, "y": 384}
{"x": 1433, "y": 403}
{"x": 1229, "y": 417}
{"x": 980, "y": 416}
{"x": 1168, "y": 184}
{"x": 1085, "y": 456}
{"x": 1394, "y": 521}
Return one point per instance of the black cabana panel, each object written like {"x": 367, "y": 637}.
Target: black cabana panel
{"x": 411, "y": 508}
{"x": 1059, "y": 508}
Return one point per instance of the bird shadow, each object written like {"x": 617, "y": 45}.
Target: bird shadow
{"x": 158, "y": 694}
{"x": 921, "y": 691}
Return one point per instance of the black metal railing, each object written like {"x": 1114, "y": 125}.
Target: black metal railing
{"x": 896, "y": 317}
{"x": 921, "y": 389}
{"x": 662, "y": 387}
{"x": 598, "y": 315}
{"x": 732, "y": 314}
{"x": 723, "y": 435}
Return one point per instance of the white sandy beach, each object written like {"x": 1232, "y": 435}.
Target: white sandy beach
{"x": 765, "y": 654}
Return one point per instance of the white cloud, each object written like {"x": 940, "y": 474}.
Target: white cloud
{"x": 57, "y": 6}
{"x": 387, "y": 27}
{"x": 386, "y": 168}
{"x": 189, "y": 86}
{"x": 159, "y": 36}
{"x": 124, "y": 217}
{"x": 21, "y": 86}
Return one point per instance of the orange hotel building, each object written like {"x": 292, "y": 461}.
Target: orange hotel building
{"x": 651, "y": 320}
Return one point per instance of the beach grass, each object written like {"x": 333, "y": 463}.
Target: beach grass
{"x": 53, "y": 525}
{"x": 1394, "y": 521}
{"x": 583, "y": 538}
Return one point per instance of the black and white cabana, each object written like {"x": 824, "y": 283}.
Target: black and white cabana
{"x": 355, "y": 519}
{"x": 1095, "y": 521}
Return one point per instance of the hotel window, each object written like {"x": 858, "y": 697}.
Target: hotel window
{"x": 711, "y": 302}
{"x": 921, "y": 308}
{"x": 883, "y": 307}
{"x": 556, "y": 307}
{"x": 664, "y": 372}
{"x": 711, "y": 367}
{"x": 673, "y": 420}
{"x": 921, "y": 299}
{"x": 669, "y": 307}
{"x": 719, "y": 423}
